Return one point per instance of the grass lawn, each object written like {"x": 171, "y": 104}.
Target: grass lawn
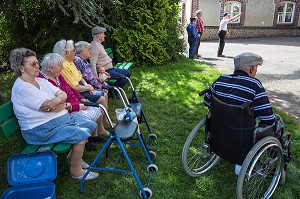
{"x": 172, "y": 106}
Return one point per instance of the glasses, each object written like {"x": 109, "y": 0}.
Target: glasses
{"x": 34, "y": 64}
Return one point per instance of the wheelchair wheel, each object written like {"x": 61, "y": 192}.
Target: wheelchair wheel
{"x": 261, "y": 170}
{"x": 196, "y": 156}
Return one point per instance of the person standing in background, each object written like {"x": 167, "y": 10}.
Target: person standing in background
{"x": 192, "y": 37}
{"x": 200, "y": 29}
{"x": 223, "y": 31}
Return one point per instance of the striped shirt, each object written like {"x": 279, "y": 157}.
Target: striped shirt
{"x": 240, "y": 88}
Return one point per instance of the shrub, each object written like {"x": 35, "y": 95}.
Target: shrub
{"x": 147, "y": 32}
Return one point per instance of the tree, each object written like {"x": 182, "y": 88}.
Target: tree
{"x": 148, "y": 32}
{"x": 143, "y": 31}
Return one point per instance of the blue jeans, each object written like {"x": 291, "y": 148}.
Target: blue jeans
{"x": 193, "y": 45}
{"x": 116, "y": 73}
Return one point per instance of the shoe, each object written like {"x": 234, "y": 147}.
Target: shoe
{"x": 90, "y": 147}
{"x": 84, "y": 165}
{"x": 221, "y": 55}
{"x": 238, "y": 169}
{"x": 90, "y": 176}
{"x": 197, "y": 56}
{"x": 97, "y": 139}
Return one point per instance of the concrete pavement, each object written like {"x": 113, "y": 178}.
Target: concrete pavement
{"x": 279, "y": 73}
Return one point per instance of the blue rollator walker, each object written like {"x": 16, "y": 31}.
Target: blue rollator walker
{"x": 135, "y": 104}
{"x": 121, "y": 134}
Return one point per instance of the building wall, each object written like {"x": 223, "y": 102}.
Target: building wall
{"x": 259, "y": 13}
{"x": 259, "y": 18}
{"x": 211, "y": 32}
{"x": 210, "y": 12}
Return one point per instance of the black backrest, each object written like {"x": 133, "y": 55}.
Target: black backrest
{"x": 231, "y": 129}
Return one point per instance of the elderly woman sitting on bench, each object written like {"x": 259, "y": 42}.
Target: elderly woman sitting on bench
{"x": 41, "y": 111}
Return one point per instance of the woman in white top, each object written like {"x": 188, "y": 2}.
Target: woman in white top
{"x": 41, "y": 111}
{"x": 223, "y": 31}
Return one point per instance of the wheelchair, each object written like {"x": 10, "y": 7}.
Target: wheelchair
{"x": 228, "y": 132}
{"x": 122, "y": 135}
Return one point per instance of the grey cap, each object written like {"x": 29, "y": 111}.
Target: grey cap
{"x": 97, "y": 30}
{"x": 248, "y": 59}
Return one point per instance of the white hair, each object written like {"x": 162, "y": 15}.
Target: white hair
{"x": 81, "y": 45}
{"x": 51, "y": 60}
{"x": 63, "y": 46}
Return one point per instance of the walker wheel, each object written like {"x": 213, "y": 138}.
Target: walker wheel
{"x": 147, "y": 191}
{"x": 152, "y": 167}
{"x": 152, "y": 155}
{"x": 152, "y": 137}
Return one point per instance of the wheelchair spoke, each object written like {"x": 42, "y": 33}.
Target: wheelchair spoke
{"x": 196, "y": 158}
{"x": 262, "y": 170}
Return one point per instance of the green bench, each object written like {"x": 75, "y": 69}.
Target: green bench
{"x": 9, "y": 127}
{"x": 123, "y": 65}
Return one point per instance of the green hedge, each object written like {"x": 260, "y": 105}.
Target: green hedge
{"x": 148, "y": 32}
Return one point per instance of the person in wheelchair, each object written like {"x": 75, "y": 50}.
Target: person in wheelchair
{"x": 241, "y": 87}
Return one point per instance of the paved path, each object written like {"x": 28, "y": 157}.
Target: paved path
{"x": 279, "y": 73}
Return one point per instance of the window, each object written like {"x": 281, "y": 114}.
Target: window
{"x": 286, "y": 12}
{"x": 233, "y": 8}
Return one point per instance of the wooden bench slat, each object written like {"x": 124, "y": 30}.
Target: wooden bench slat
{"x": 61, "y": 147}
{"x": 9, "y": 127}
{"x": 109, "y": 53}
{"x": 127, "y": 65}
{"x": 30, "y": 149}
{"x": 6, "y": 108}
{"x": 118, "y": 65}
{"x": 45, "y": 147}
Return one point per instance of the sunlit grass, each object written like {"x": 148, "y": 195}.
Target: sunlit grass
{"x": 172, "y": 107}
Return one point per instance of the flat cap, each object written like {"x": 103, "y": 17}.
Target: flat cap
{"x": 97, "y": 30}
{"x": 247, "y": 59}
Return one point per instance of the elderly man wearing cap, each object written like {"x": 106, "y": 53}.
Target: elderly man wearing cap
{"x": 99, "y": 58}
{"x": 241, "y": 87}
{"x": 223, "y": 31}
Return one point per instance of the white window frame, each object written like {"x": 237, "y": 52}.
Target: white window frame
{"x": 281, "y": 16}
{"x": 232, "y": 14}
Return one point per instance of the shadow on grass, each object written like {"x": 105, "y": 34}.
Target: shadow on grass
{"x": 172, "y": 107}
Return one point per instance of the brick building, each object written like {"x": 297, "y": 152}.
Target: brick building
{"x": 260, "y": 18}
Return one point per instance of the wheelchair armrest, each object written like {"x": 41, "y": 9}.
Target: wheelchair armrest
{"x": 263, "y": 131}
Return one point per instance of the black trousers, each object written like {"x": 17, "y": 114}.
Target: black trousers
{"x": 198, "y": 42}
{"x": 222, "y": 35}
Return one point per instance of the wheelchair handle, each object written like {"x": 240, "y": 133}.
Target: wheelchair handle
{"x": 203, "y": 92}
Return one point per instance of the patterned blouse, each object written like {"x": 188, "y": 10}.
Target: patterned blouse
{"x": 87, "y": 72}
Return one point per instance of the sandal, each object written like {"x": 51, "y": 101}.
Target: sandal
{"x": 84, "y": 165}
{"x": 90, "y": 176}
{"x": 105, "y": 133}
